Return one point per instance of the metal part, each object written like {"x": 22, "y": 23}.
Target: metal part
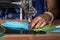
{"x": 2, "y": 29}
{"x": 26, "y": 5}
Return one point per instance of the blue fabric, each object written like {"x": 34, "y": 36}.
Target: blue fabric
{"x": 15, "y": 25}
{"x": 56, "y": 30}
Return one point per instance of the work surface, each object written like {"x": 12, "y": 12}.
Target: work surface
{"x": 47, "y": 36}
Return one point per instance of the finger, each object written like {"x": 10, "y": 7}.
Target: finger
{"x": 49, "y": 23}
{"x": 44, "y": 23}
{"x": 34, "y": 21}
{"x": 38, "y": 24}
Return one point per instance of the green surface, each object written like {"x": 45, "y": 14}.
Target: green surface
{"x": 46, "y": 28}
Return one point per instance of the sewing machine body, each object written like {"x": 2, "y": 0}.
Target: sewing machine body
{"x": 25, "y": 5}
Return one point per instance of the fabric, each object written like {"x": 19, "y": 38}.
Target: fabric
{"x": 46, "y": 28}
{"x": 39, "y": 6}
{"x": 56, "y": 30}
{"x": 15, "y": 25}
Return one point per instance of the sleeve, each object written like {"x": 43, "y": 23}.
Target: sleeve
{"x": 39, "y": 7}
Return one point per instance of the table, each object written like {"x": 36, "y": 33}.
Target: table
{"x": 48, "y": 36}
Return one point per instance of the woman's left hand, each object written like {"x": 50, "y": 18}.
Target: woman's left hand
{"x": 39, "y": 21}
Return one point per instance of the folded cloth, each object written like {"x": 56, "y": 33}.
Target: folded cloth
{"x": 56, "y": 30}
{"x": 46, "y": 28}
{"x": 15, "y": 25}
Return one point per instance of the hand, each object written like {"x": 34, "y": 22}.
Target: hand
{"x": 39, "y": 21}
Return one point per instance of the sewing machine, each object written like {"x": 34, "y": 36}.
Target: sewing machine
{"x": 26, "y": 5}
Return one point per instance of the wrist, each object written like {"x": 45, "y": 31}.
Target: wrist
{"x": 46, "y": 17}
{"x": 51, "y": 16}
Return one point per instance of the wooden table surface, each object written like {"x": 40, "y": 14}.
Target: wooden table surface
{"x": 47, "y": 36}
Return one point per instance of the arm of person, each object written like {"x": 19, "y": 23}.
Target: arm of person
{"x": 42, "y": 20}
